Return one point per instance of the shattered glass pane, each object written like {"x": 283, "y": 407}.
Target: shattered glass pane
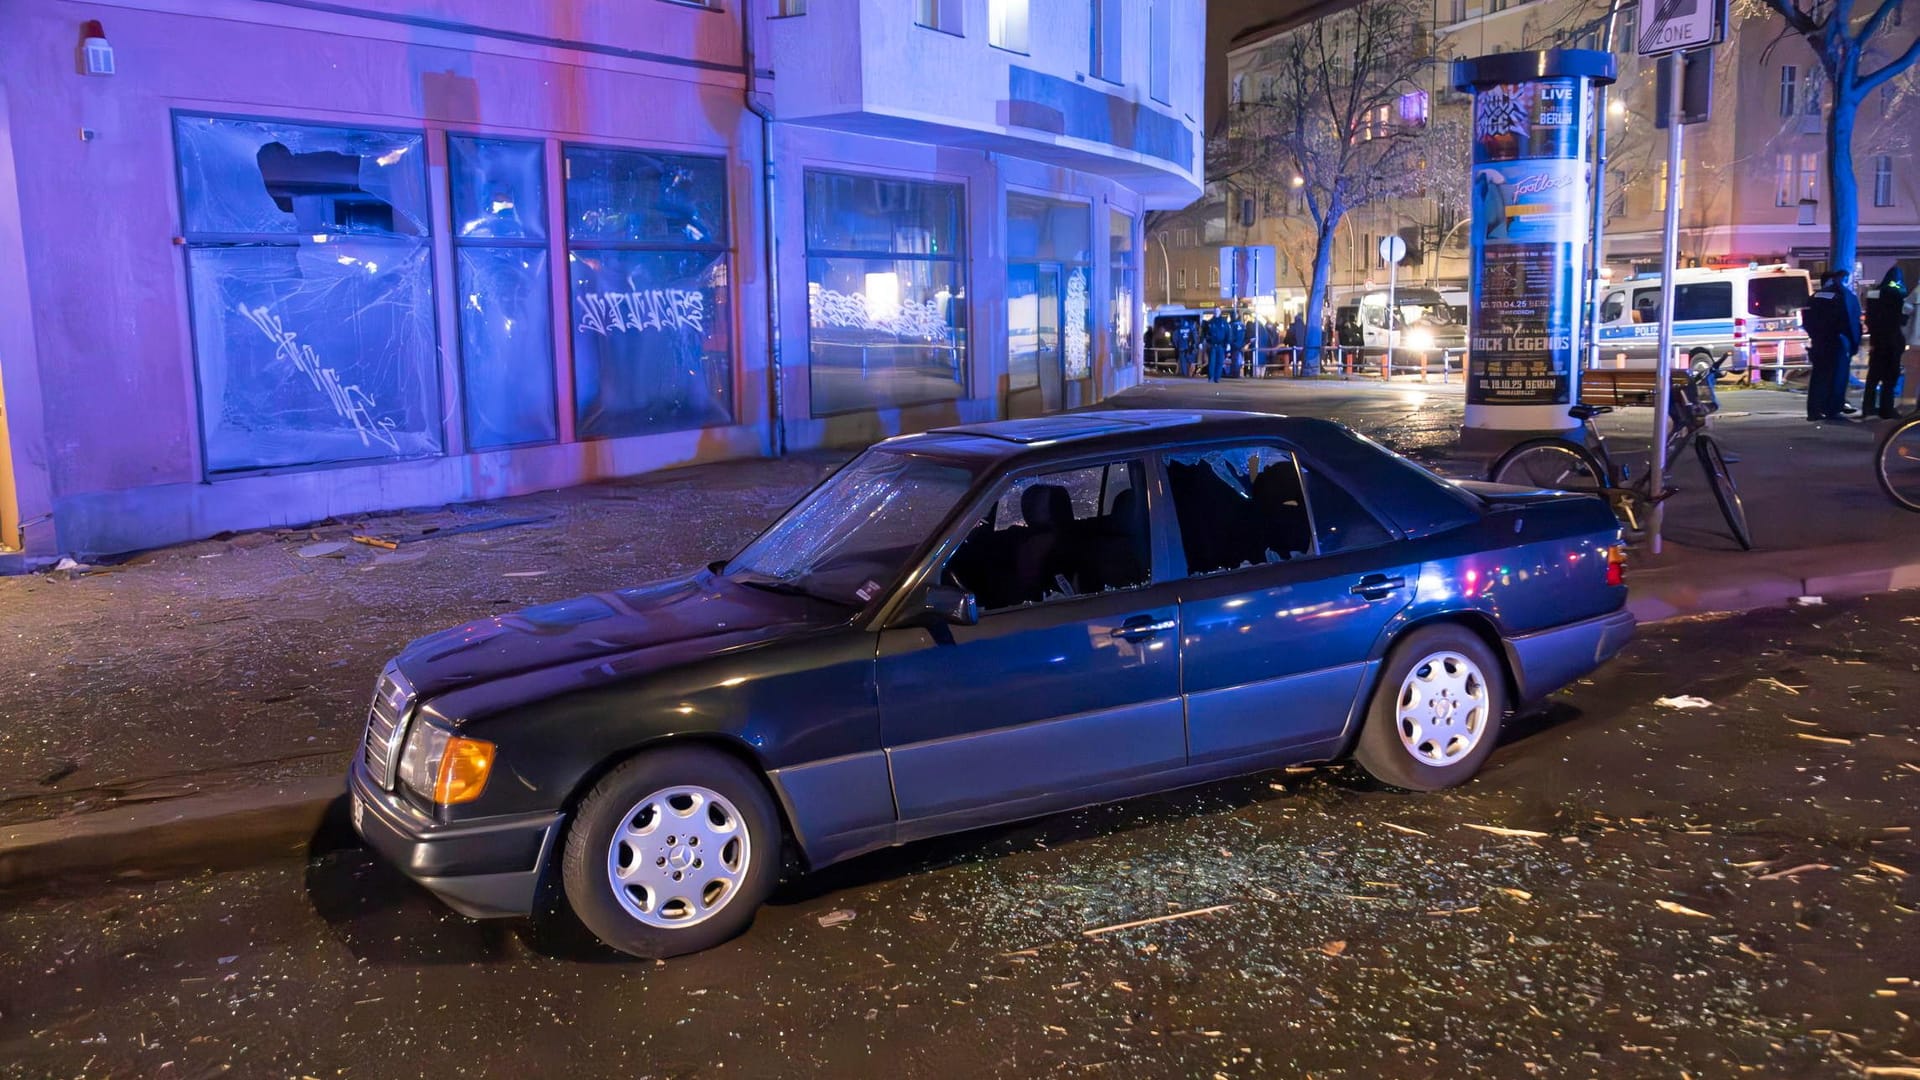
{"x": 651, "y": 348}
{"x": 638, "y": 197}
{"x": 314, "y": 353}
{"x": 853, "y": 534}
{"x": 884, "y": 333}
{"x": 261, "y": 176}
{"x": 499, "y": 187}
{"x": 1238, "y": 506}
{"x": 1076, "y": 326}
{"x": 506, "y": 346}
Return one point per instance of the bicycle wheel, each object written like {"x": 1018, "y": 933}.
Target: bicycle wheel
{"x": 1898, "y": 464}
{"x": 1550, "y": 463}
{"x": 1720, "y": 479}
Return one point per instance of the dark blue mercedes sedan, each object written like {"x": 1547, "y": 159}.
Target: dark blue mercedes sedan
{"x": 975, "y": 625}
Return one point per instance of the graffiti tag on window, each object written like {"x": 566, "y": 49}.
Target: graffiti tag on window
{"x": 606, "y": 313}
{"x": 349, "y": 402}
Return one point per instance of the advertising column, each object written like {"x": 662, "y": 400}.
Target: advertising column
{"x": 1530, "y": 189}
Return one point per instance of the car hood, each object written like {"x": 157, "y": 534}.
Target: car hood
{"x": 705, "y": 611}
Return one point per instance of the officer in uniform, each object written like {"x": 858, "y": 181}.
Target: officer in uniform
{"x": 1218, "y": 334}
{"x": 1833, "y": 335}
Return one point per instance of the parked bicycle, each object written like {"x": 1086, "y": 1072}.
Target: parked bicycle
{"x": 1567, "y": 465}
{"x": 1898, "y": 464}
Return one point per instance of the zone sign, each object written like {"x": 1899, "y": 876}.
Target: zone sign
{"x": 1672, "y": 25}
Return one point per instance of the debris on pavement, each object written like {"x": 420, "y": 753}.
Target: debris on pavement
{"x": 327, "y": 550}
{"x": 1681, "y": 909}
{"x": 1832, "y": 739}
{"x": 1684, "y": 701}
{"x": 1526, "y": 834}
{"x": 1803, "y": 868}
{"x": 836, "y": 917}
{"x": 1099, "y": 930}
{"x": 438, "y": 533}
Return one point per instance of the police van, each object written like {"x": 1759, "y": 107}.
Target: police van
{"x": 1423, "y": 317}
{"x": 1748, "y": 313}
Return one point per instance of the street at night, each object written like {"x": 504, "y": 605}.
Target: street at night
{"x": 976, "y": 538}
{"x": 1631, "y": 889}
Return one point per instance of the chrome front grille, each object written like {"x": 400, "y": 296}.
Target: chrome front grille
{"x": 387, "y": 726}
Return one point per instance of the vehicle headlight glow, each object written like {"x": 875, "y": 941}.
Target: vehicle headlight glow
{"x": 1420, "y": 339}
{"x": 444, "y": 767}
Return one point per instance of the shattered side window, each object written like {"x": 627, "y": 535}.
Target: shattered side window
{"x": 311, "y": 285}
{"x": 1239, "y": 506}
{"x": 1063, "y": 534}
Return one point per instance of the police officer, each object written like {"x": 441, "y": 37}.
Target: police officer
{"x": 1886, "y": 325}
{"x": 1218, "y": 336}
{"x": 1236, "y": 344}
{"x": 1833, "y": 335}
{"x": 1185, "y": 344}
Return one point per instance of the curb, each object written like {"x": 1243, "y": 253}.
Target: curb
{"x": 200, "y": 832}
{"x": 1697, "y": 587}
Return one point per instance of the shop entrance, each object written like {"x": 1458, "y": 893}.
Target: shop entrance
{"x": 1036, "y": 377}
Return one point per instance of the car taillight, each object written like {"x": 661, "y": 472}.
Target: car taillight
{"x": 1617, "y": 564}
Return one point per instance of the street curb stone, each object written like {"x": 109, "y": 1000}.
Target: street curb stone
{"x": 221, "y": 829}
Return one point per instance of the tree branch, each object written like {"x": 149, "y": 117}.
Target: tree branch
{"x": 1869, "y": 83}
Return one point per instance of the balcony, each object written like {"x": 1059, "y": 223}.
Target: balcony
{"x": 869, "y": 68}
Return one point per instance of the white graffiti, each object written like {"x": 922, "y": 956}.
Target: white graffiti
{"x": 848, "y": 311}
{"x": 604, "y": 313}
{"x": 1075, "y": 349}
{"x": 349, "y": 401}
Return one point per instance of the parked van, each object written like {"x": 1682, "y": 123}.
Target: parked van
{"x": 1743, "y": 313}
{"x": 1426, "y": 322}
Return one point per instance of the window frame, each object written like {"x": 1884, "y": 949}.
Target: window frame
{"x": 1789, "y": 90}
{"x": 1106, "y": 41}
{"x": 962, "y": 263}
{"x": 1883, "y": 181}
{"x": 543, "y": 245}
{"x": 945, "y": 17}
{"x": 724, "y": 248}
{"x": 190, "y": 239}
{"x": 994, "y": 485}
{"x": 1176, "y": 538}
{"x": 1160, "y": 51}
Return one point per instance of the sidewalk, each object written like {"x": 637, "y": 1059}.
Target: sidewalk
{"x": 209, "y": 696}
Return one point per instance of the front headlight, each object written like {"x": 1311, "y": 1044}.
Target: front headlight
{"x": 443, "y": 767}
{"x": 1420, "y": 339}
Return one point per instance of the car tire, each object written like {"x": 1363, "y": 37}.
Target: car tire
{"x": 672, "y": 852}
{"x": 1437, "y": 711}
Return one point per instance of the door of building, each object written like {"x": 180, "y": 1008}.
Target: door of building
{"x": 1036, "y": 377}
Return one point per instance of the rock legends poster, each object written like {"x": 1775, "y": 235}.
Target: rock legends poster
{"x": 1530, "y": 192}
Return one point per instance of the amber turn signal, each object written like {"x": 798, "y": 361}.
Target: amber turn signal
{"x": 463, "y": 771}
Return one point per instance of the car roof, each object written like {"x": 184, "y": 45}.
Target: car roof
{"x": 1415, "y": 500}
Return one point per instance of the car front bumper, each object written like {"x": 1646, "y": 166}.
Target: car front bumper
{"x": 489, "y": 868}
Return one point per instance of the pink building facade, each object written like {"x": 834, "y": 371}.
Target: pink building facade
{"x": 293, "y": 259}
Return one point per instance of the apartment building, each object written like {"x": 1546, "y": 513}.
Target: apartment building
{"x": 1753, "y": 184}
{"x": 268, "y": 261}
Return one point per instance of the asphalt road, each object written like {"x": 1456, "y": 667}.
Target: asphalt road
{"x": 1681, "y": 892}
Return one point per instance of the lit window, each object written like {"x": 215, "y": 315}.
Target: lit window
{"x": 1883, "y": 180}
{"x": 1104, "y": 15}
{"x": 1007, "y": 24}
{"x": 1413, "y": 108}
{"x": 1661, "y": 196}
{"x": 1809, "y": 174}
{"x": 1783, "y": 186}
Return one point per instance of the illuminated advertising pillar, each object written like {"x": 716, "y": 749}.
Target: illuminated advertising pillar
{"x": 1530, "y": 192}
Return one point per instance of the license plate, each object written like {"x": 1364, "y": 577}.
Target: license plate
{"x": 359, "y": 814}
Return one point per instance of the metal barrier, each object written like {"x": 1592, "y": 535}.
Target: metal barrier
{"x": 1336, "y": 361}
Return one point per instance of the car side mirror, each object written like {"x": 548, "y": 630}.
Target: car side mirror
{"x": 950, "y": 605}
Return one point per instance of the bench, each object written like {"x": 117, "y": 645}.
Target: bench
{"x": 1615, "y": 388}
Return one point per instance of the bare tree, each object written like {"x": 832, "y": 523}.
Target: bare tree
{"x": 1326, "y": 125}
{"x": 1857, "y": 60}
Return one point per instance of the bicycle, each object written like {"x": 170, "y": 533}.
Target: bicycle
{"x": 1898, "y": 463}
{"x": 1564, "y": 464}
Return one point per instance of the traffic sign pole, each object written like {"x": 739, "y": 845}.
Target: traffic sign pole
{"x": 1663, "y": 365}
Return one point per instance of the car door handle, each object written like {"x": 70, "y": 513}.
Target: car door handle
{"x": 1378, "y": 586}
{"x": 1141, "y": 627}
